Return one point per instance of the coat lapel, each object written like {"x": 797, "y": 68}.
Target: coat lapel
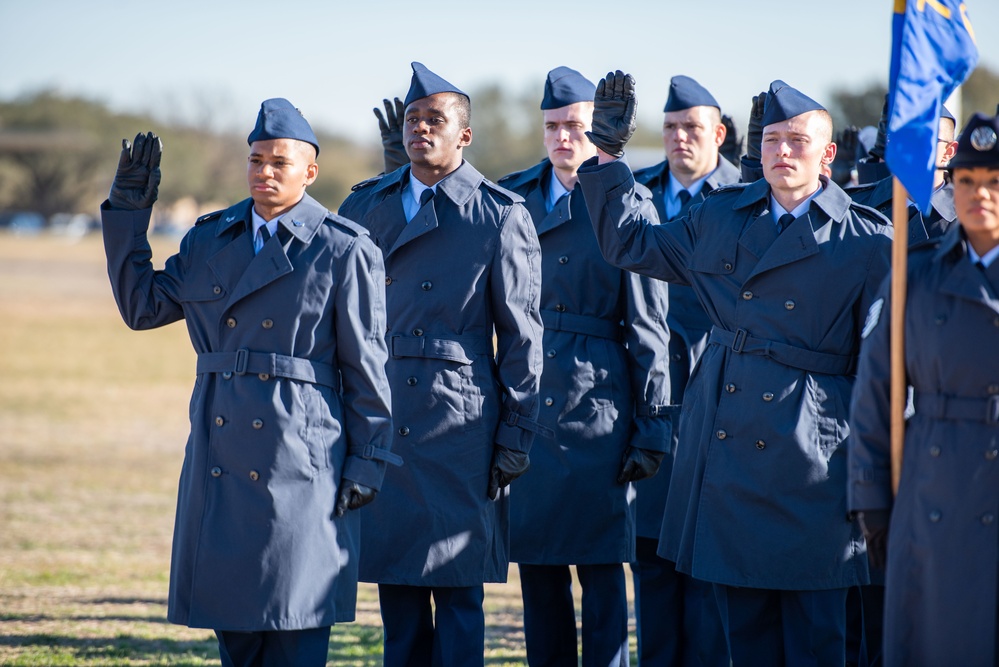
{"x": 555, "y": 218}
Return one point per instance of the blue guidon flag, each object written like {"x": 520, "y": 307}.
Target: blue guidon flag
{"x": 933, "y": 52}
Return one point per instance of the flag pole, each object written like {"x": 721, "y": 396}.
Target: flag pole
{"x": 899, "y": 274}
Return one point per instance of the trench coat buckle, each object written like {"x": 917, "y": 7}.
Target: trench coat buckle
{"x": 739, "y": 341}
{"x": 242, "y": 358}
{"x": 992, "y": 410}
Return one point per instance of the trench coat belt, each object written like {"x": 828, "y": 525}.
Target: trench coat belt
{"x": 582, "y": 324}
{"x": 243, "y": 361}
{"x": 455, "y": 348}
{"x": 796, "y": 357}
{"x": 942, "y": 406}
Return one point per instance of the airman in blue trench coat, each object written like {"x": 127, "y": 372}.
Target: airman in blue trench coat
{"x": 290, "y": 408}
{"x": 676, "y": 616}
{"x": 943, "y": 535}
{"x": 604, "y": 389}
{"x": 756, "y": 503}
{"x": 465, "y": 265}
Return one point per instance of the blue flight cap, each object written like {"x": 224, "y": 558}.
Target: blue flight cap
{"x": 785, "y": 102}
{"x": 978, "y": 145}
{"x": 279, "y": 119}
{"x": 685, "y": 93}
{"x": 425, "y": 83}
{"x": 566, "y": 86}
{"x": 947, "y": 114}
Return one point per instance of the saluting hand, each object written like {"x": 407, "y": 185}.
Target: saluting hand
{"x": 878, "y": 149}
{"x": 638, "y": 463}
{"x": 353, "y": 496}
{"x": 754, "y": 136}
{"x": 390, "y": 126}
{"x": 137, "y": 181}
{"x": 614, "y": 113}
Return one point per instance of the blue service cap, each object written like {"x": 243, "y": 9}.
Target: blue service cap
{"x": 685, "y": 93}
{"x": 566, "y": 86}
{"x": 978, "y": 145}
{"x": 784, "y": 102}
{"x": 279, "y": 119}
{"x": 425, "y": 83}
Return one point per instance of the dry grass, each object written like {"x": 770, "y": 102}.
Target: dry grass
{"x": 92, "y": 428}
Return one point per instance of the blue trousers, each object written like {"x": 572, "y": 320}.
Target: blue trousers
{"x": 550, "y": 618}
{"x": 776, "y": 627}
{"x": 451, "y": 633}
{"x": 274, "y": 648}
{"x": 676, "y": 617}
{"x": 865, "y": 612}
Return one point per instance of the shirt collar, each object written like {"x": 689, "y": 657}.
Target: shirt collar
{"x": 985, "y": 259}
{"x": 777, "y": 210}
{"x": 676, "y": 186}
{"x": 555, "y": 191}
{"x": 259, "y": 222}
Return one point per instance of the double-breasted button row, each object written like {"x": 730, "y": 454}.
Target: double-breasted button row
{"x": 231, "y": 322}
{"x": 217, "y": 472}
{"x": 227, "y": 375}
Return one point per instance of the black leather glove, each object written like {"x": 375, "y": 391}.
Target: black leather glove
{"x": 508, "y": 465}
{"x": 353, "y": 496}
{"x": 874, "y": 524}
{"x": 731, "y": 148}
{"x": 878, "y": 149}
{"x": 638, "y": 464}
{"x": 390, "y": 125}
{"x": 754, "y": 136}
{"x": 614, "y": 113}
{"x": 846, "y": 155}
{"x": 137, "y": 180}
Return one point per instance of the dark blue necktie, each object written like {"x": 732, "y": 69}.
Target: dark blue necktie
{"x": 784, "y": 221}
{"x": 426, "y": 196}
{"x": 684, "y": 197}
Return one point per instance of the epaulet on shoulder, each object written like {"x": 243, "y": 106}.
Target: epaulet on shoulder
{"x": 500, "y": 190}
{"x": 870, "y": 210}
{"x": 727, "y": 188}
{"x": 347, "y": 226}
{"x": 926, "y": 245}
{"x": 367, "y": 183}
{"x": 209, "y": 217}
{"x": 863, "y": 187}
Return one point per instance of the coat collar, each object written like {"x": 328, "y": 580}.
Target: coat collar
{"x": 961, "y": 278}
{"x": 459, "y": 186}
{"x": 302, "y": 221}
{"x": 532, "y": 182}
{"x": 832, "y": 200}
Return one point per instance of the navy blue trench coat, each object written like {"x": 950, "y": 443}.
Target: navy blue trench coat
{"x": 943, "y": 543}
{"x": 757, "y": 497}
{"x": 604, "y": 387}
{"x": 290, "y": 398}
{"x": 688, "y": 337}
{"x": 466, "y": 266}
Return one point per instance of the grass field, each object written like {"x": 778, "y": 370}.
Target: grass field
{"x": 92, "y": 428}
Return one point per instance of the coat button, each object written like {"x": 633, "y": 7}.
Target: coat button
{"x": 231, "y": 322}
{"x": 991, "y": 454}
{"x": 987, "y": 519}
{"x": 254, "y": 475}
{"x": 388, "y": 280}
{"x": 257, "y": 423}
{"x": 267, "y": 324}
{"x": 789, "y": 304}
{"x": 426, "y": 286}
{"x": 730, "y": 388}
{"x": 219, "y": 421}
{"x": 551, "y": 354}
{"x": 264, "y": 377}
{"x": 227, "y": 375}
{"x": 560, "y": 307}
{"x": 403, "y": 431}
{"x": 747, "y": 295}
{"x": 993, "y": 389}
{"x": 564, "y": 259}
{"x": 934, "y": 451}
{"x": 217, "y": 289}
{"x": 728, "y": 266}
{"x": 721, "y": 435}
{"x": 761, "y": 444}
{"x": 417, "y": 332}
{"x": 935, "y": 516}
{"x": 216, "y": 472}
{"x": 549, "y": 401}
{"x": 768, "y": 396}
{"x": 411, "y": 381}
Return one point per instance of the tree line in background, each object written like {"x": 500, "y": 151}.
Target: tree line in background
{"x": 58, "y": 154}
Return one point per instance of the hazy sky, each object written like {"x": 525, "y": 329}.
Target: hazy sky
{"x": 335, "y": 60}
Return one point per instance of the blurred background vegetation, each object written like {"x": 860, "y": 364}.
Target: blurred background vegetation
{"x": 58, "y": 154}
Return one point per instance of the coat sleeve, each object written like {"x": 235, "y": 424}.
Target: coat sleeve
{"x": 627, "y": 226}
{"x": 515, "y": 286}
{"x": 361, "y": 356}
{"x": 647, "y": 343}
{"x": 146, "y": 298}
{"x": 869, "y": 448}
